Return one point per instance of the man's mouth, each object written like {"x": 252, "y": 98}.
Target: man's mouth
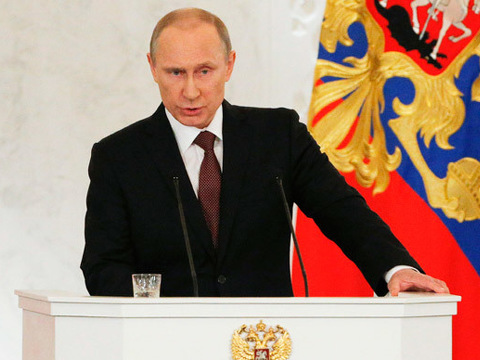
{"x": 191, "y": 110}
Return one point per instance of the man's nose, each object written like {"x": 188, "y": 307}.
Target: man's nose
{"x": 191, "y": 90}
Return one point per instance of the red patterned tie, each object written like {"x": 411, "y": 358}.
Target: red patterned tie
{"x": 209, "y": 184}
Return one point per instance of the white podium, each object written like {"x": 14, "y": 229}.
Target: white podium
{"x": 64, "y": 326}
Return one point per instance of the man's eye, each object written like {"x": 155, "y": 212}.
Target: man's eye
{"x": 175, "y": 72}
{"x": 205, "y": 71}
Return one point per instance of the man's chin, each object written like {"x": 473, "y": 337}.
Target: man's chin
{"x": 195, "y": 121}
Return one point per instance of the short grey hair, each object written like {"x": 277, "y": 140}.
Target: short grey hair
{"x": 201, "y": 15}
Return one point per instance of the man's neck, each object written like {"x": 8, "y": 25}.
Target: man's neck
{"x": 184, "y": 135}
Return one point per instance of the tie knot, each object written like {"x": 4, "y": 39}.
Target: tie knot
{"x": 205, "y": 140}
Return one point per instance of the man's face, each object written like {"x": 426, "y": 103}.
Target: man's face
{"x": 191, "y": 70}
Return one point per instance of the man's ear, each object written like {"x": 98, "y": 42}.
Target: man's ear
{"x": 230, "y": 63}
{"x": 152, "y": 66}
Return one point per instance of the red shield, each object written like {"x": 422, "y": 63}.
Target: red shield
{"x": 262, "y": 354}
{"x": 393, "y": 19}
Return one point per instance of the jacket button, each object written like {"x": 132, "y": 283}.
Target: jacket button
{"x": 222, "y": 279}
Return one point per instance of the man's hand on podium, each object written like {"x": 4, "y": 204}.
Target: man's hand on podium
{"x": 411, "y": 280}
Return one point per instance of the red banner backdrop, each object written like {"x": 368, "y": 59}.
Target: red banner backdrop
{"x": 396, "y": 106}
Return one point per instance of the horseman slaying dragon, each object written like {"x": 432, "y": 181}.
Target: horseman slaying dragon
{"x": 454, "y": 12}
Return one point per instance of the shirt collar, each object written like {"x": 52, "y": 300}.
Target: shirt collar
{"x": 185, "y": 135}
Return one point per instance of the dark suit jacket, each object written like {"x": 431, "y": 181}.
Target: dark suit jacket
{"x": 133, "y": 224}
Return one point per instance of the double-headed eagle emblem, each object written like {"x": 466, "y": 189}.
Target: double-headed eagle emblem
{"x": 353, "y": 135}
{"x": 261, "y": 343}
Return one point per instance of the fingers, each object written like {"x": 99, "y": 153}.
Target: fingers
{"x": 410, "y": 280}
{"x": 439, "y": 286}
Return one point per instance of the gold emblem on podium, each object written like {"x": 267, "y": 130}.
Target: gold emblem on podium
{"x": 261, "y": 343}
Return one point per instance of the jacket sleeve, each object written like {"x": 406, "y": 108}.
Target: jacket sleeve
{"x": 341, "y": 213}
{"x": 108, "y": 260}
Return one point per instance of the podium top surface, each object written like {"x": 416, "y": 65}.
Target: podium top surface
{"x": 58, "y": 296}
{"x": 61, "y": 303}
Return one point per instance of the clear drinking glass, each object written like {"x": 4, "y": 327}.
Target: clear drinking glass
{"x": 146, "y": 285}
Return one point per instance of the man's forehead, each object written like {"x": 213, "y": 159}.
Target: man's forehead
{"x": 201, "y": 39}
{"x": 188, "y": 25}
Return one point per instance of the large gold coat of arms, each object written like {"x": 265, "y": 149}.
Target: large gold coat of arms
{"x": 436, "y": 112}
{"x": 261, "y": 343}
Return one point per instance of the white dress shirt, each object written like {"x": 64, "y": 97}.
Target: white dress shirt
{"x": 192, "y": 154}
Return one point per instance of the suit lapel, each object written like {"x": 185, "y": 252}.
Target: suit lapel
{"x": 162, "y": 146}
{"x": 235, "y": 155}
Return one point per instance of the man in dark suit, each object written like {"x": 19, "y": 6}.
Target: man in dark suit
{"x": 133, "y": 223}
